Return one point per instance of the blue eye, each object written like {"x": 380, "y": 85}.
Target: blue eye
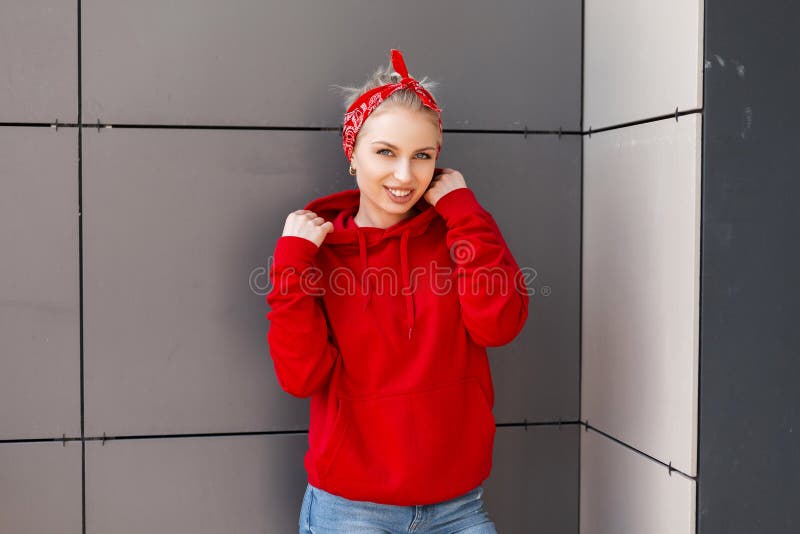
{"x": 420, "y": 154}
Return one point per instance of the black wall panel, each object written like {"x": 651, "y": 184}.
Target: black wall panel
{"x": 749, "y": 410}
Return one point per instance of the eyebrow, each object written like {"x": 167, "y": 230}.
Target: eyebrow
{"x": 394, "y": 147}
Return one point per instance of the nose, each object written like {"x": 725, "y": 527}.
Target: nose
{"x": 402, "y": 171}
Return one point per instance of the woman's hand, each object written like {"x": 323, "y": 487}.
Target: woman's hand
{"x": 444, "y": 181}
{"x": 306, "y": 224}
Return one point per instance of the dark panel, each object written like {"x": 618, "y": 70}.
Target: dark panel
{"x": 749, "y": 454}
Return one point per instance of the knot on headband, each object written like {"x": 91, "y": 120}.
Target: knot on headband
{"x": 365, "y": 104}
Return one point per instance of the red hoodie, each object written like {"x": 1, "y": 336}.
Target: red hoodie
{"x": 400, "y": 384}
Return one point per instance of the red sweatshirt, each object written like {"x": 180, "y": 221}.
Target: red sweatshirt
{"x": 386, "y": 330}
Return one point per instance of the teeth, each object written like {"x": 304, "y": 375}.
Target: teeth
{"x": 400, "y": 192}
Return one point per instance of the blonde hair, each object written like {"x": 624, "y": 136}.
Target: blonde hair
{"x": 404, "y": 97}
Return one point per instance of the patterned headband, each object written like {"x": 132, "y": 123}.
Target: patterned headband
{"x": 365, "y": 104}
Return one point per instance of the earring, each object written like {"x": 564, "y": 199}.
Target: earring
{"x": 351, "y": 170}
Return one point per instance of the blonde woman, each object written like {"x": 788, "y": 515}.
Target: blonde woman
{"x": 384, "y": 300}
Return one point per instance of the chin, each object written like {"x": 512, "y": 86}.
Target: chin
{"x": 394, "y": 208}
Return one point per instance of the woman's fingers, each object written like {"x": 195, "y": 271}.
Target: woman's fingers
{"x": 307, "y": 213}
{"x": 311, "y": 215}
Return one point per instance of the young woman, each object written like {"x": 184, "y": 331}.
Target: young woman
{"x": 384, "y": 300}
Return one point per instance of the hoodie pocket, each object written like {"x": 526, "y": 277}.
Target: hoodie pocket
{"x": 426, "y": 443}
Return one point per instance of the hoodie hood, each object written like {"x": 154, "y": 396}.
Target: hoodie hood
{"x": 340, "y": 208}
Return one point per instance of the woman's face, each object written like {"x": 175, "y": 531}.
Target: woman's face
{"x": 394, "y": 158}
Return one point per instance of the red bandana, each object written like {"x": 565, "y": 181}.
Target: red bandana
{"x": 365, "y": 104}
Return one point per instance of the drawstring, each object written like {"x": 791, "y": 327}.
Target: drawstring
{"x": 362, "y": 248}
{"x": 409, "y": 299}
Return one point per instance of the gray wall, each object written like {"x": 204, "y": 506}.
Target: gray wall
{"x": 640, "y": 306}
{"x": 136, "y": 389}
{"x": 749, "y": 451}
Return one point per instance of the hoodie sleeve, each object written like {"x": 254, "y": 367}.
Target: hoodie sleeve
{"x": 492, "y": 291}
{"x": 298, "y": 336}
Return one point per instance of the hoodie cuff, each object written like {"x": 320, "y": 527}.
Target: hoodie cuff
{"x": 458, "y": 202}
{"x": 295, "y": 250}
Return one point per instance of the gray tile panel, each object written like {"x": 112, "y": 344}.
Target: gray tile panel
{"x": 184, "y": 484}
{"x": 641, "y": 60}
{"x": 179, "y": 226}
{"x": 532, "y": 188}
{"x": 624, "y": 492}
{"x": 201, "y": 485}
{"x": 39, "y": 291}
{"x": 534, "y": 485}
{"x": 40, "y": 487}
{"x": 38, "y": 61}
{"x": 501, "y": 65}
{"x": 641, "y": 265}
{"x": 178, "y": 229}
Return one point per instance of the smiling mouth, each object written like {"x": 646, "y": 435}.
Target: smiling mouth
{"x": 400, "y": 193}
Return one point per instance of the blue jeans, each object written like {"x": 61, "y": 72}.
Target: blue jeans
{"x": 326, "y": 513}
